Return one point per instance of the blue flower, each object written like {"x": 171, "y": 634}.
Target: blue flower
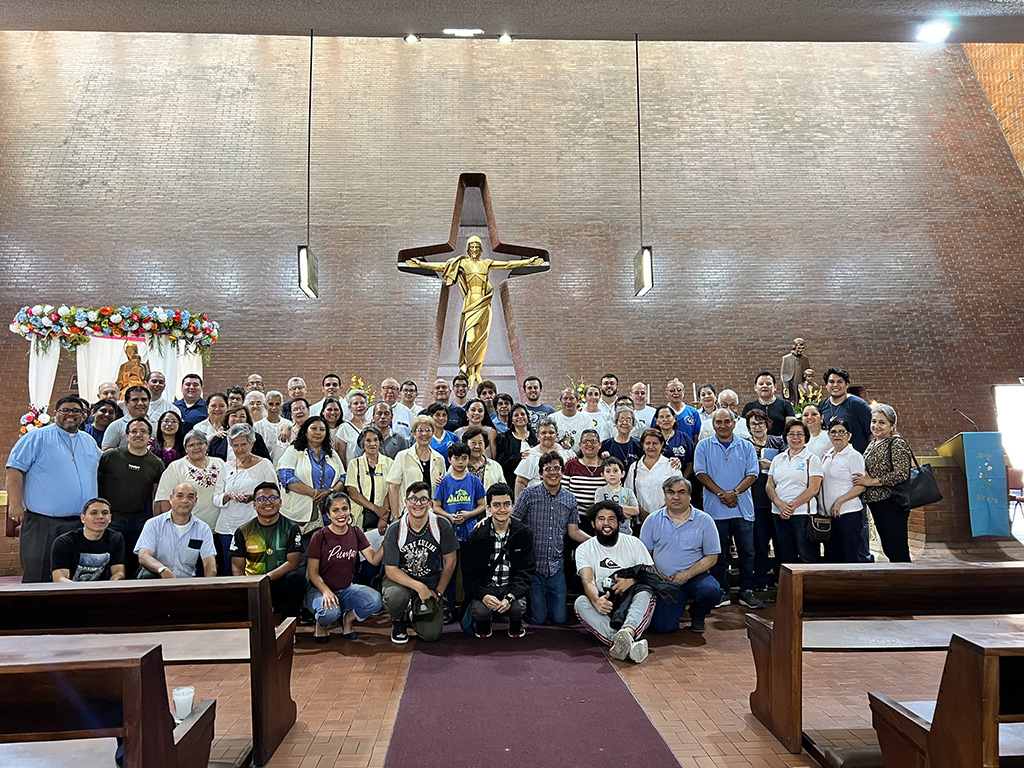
{"x": 143, "y": 310}
{"x": 125, "y": 311}
{"x": 80, "y": 315}
{"x": 22, "y": 316}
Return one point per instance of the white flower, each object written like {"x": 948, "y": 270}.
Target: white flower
{"x": 48, "y": 308}
{"x": 93, "y": 316}
{"x": 29, "y": 427}
{"x": 15, "y": 328}
{"x": 47, "y": 321}
{"x": 26, "y": 328}
{"x": 64, "y": 310}
{"x": 37, "y": 309}
{"x": 116, "y": 317}
{"x": 44, "y": 418}
{"x": 81, "y": 323}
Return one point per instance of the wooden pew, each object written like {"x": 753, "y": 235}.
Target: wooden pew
{"x": 119, "y": 690}
{"x": 808, "y": 592}
{"x": 977, "y": 719}
{"x": 163, "y": 605}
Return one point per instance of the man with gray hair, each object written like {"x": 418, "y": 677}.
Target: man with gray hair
{"x": 727, "y": 398}
{"x": 401, "y": 417}
{"x": 684, "y": 544}
{"x": 727, "y": 467}
{"x": 296, "y": 389}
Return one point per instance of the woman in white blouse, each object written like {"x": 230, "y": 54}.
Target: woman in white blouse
{"x": 197, "y": 468}
{"x": 841, "y": 496}
{"x": 233, "y": 493}
{"x": 645, "y": 477}
{"x": 794, "y": 479}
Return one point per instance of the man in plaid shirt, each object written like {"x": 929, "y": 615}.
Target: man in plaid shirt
{"x": 549, "y": 512}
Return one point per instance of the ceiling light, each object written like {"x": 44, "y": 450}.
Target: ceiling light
{"x": 643, "y": 272}
{"x": 934, "y": 32}
{"x": 410, "y": 38}
{"x": 309, "y": 272}
{"x": 462, "y": 32}
{"x": 505, "y": 37}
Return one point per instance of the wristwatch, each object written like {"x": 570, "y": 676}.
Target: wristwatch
{"x": 510, "y": 598}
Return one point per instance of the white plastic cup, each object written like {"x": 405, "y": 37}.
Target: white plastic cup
{"x": 183, "y": 698}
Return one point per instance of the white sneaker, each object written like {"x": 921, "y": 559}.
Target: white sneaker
{"x": 621, "y": 644}
{"x": 638, "y": 651}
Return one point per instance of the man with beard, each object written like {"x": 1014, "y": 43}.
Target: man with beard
{"x": 597, "y": 562}
{"x": 609, "y": 389}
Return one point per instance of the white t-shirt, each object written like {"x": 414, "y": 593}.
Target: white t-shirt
{"x": 572, "y": 425}
{"x": 401, "y": 419}
{"x": 839, "y": 469}
{"x": 604, "y": 561}
{"x": 602, "y": 422}
{"x": 791, "y": 477}
{"x": 528, "y": 467}
{"x": 820, "y": 445}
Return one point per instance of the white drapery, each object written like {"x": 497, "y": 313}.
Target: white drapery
{"x": 42, "y": 373}
{"x": 100, "y": 360}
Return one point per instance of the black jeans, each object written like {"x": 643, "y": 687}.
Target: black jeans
{"x": 766, "y": 568}
{"x": 843, "y": 545}
{"x": 891, "y": 518}
{"x": 794, "y": 546}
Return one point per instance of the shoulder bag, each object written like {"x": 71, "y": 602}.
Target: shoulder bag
{"x": 920, "y": 488}
{"x": 819, "y": 526}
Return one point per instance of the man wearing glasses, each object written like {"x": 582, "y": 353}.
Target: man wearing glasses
{"x": 419, "y": 563}
{"x": 550, "y": 512}
{"x": 51, "y": 474}
{"x": 271, "y": 545}
{"x": 254, "y": 382}
{"x": 127, "y": 478}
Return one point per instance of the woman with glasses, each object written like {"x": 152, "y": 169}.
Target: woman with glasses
{"x": 221, "y": 446}
{"x": 233, "y": 493}
{"x": 480, "y": 464}
{"x": 794, "y": 479}
{"x": 622, "y": 445}
{"x": 200, "y": 469}
{"x": 299, "y": 413}
{"x": 887, "y": 460}
{"x": 514, "y": 444}
{"x": 767, "y": 448}
{"x": 583, "y": 474}
{"x": 419, "y": 462}
{"x": 841, "y": 495}
{"x": 819, "y": 441}
{"x": 308, "y": 471}
{"x": 367, "y": 484}
{"x": 169, "y": 443}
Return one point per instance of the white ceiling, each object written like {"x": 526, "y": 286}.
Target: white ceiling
{"x": 810, "y": 20}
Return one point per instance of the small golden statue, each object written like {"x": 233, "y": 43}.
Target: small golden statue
{"x": 809, "y": 390}
{"x": 132, "y": 373}
{"x": 470, "y": 271}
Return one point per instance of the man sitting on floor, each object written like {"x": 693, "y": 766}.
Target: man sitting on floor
{"x": 605, "y": 592}
{"x": 172, "y": 544}
{"x": 419, "y": 561}
{"x": 685, "y": 544}
{"x": 498, "y": 565}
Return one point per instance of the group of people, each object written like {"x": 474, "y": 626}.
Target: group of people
{"x": 351, "y": 506}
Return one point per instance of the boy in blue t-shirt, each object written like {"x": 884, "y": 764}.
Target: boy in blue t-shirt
{"x": 461, "y": 498}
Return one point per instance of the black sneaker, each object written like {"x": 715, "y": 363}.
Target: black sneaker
{"x": 399, "y": 634}
{"x": 515, "y": 628}
{"x": 482, "y": 629}
{"x": 306, "y": 619}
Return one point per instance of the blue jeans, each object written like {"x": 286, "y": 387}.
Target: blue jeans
{"x": 794, "y": 546}
{"x": 361, "y": 600}
{"x": 547, "y": 599}
{"x": 742, "y": 532}
{"x": 703, "y": 590}
{"x": 843, "y": 545}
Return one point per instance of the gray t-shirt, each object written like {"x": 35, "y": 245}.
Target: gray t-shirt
{"x": 421, "y": 556}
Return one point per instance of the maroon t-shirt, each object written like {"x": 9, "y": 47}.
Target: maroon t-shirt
{"x": 338, "y": 555}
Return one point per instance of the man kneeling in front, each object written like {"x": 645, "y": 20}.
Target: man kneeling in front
{"x": 419, "y": 562}
{"x": 171, "y": 545}
{"x": 615, "y": 609}
{"x": 498, "y": 565}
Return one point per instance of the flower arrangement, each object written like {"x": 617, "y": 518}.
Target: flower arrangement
{"x": 72, "y": 326}
{"x": 357, "y": 383}
{"x": 34, "y": 419}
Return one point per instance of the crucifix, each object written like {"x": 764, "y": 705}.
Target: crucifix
{"x": 471, "y": 271}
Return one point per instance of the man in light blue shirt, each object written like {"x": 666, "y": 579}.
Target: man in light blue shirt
{"x": 684, "y": 543}
{"x": 727, "y": 467}
{"x": 51, "y": 473}
{"x": 171, "y": 545}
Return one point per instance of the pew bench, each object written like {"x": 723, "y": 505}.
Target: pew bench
{"x": 811, "y": 595}
{"x": 224, "y": 620}
{"x": 977, "y": 719}
{"x": 67, "y": 692}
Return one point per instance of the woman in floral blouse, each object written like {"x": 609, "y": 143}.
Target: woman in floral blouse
{"x": 887, "y": 460}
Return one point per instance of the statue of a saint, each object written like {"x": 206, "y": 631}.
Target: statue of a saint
{"x": 793, "y": 366}
{"x": 809, "y": 389}
{"x": 132, "y": 373}
{"x": 470, "y": 271}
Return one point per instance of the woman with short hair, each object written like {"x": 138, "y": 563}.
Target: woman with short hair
{"x": 887, "y": 461}
{"x": 442, "y": 438}
{"x": 367, "y": 484}
{"x": 794, "y": 479}
{"x": 200, "y": 469}
{"x": 515, "y": 443}
{"x": 221, "y": 446}
{"x": 299, "y": 410}
{"x": 646, "y": 476}
{"x": 417, "y": 463}
{"x": 583, "y": 474}
{"x": 480, "y": 464}
{"x": 502, "y": 410}
{"x": 622, "y": 445}
{"x": 676, "y": 443}
{"x": 841, "y": 495}
{"x": 767, "y": 448}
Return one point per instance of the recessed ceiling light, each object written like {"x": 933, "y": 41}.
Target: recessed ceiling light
{"x": 505, "y": 37}
{"x": 462, "y": 32}
{"x": 934, "y": 32}
{"x": 412, "y": 38}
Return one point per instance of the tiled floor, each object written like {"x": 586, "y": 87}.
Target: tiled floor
{"x": 693, "y": 688}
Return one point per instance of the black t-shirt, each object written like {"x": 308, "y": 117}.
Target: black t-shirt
{"x": 779, "y": 410}
{"x": 128, "y": 480}
{"x": 84, "y": 559}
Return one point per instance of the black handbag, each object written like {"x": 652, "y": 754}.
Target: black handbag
{"x": 819, "y": 526}
{"x": 919, "y": 489}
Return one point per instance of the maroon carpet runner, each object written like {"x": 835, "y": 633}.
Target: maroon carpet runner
{"x": 551, "y": 698}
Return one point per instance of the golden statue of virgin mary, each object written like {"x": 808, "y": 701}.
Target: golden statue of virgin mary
{"x": 470, "y": 271}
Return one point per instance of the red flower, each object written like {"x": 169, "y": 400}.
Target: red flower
{"x": 54, "y": 316}
{"x": 134, "y": 317}
{"x": 106, "y": 310}
{"x": 97, "y": 328}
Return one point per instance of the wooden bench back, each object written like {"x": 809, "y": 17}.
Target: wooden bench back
{"x": 893, "y": 590}
{"x": 133, "y": 606}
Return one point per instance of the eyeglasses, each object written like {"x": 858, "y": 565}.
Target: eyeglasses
{"x": 70, "y": 411}
{"x": 165, "y": 422}
{"x": 418, "y": 499}
{"x": 139, "y": 432}
{"x": 551, "y": 470}
{"x": 256, "y": 384}
{"x": 590, "y": 442}
{"x": 838, "y": 432}
{"x": 267, "y": 499}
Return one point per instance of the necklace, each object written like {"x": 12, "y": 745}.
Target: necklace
{"x": 71, "y": 448}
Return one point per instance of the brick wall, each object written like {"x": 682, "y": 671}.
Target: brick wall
{"x": 859, "y": 195}
{"x": 1000, "y": 68}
